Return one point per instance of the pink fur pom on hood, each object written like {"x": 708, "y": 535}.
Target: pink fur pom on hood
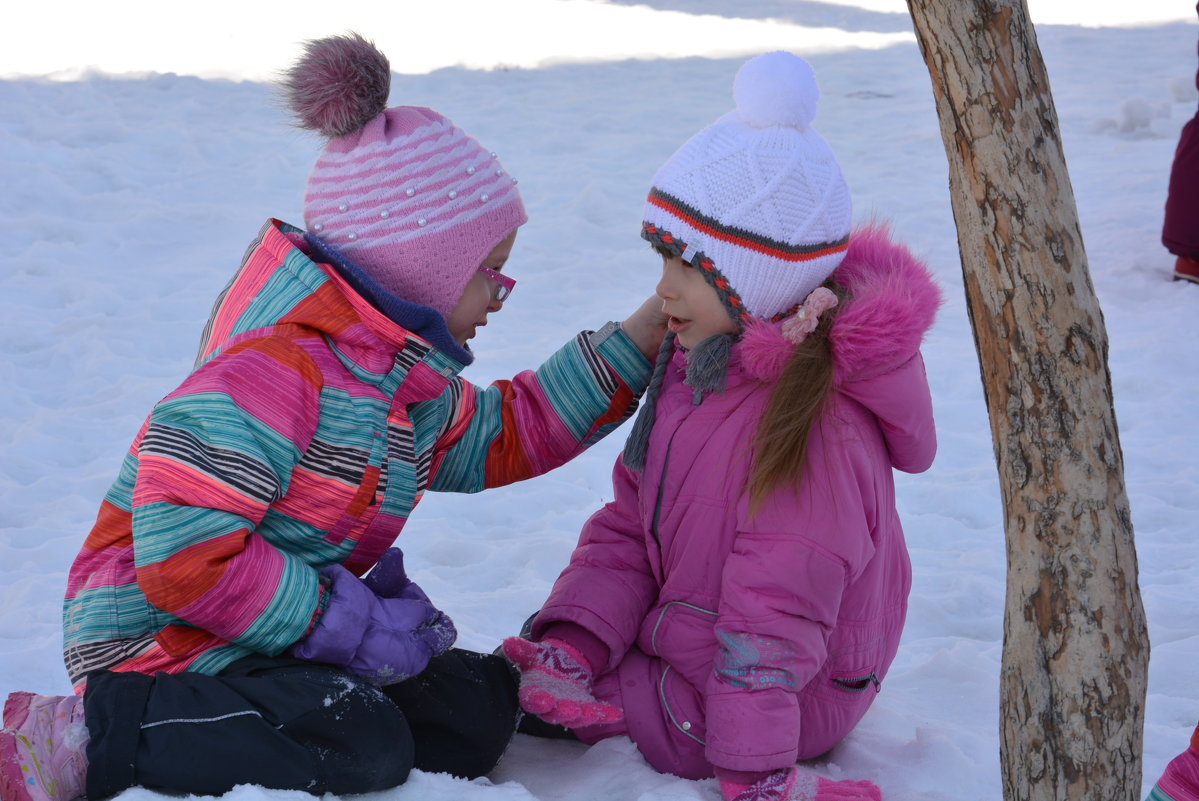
{"x": 892, "y": 304}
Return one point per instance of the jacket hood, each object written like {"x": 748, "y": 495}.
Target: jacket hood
{"x": 279, "y": 283}
{"x": 875, "y": 341}
{"x": 892, "y": 303}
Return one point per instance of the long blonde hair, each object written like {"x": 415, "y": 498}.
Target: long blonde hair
{"x": 796, "y": 403}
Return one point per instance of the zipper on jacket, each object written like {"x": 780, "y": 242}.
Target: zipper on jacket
{"x": 662, "y": 479}
{"x": 858, "y": 684}
{"x": 662, "y": 486}
{"x": 661, "y": 489}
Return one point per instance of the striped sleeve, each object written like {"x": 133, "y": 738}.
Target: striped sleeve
{"x": 540, "y": 419}
{"x": 215, "y": 455}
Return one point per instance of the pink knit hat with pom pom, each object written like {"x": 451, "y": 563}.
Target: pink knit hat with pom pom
{"x": 401, "y": 192}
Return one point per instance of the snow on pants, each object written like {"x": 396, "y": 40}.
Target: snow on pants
{"x": 287, "y": 724}
{"x": 1180, "y": 233}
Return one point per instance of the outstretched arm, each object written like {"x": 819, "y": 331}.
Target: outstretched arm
{"x": 539, "y": 420}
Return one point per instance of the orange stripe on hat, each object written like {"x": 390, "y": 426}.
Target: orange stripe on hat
{"x": 744, "y": 239}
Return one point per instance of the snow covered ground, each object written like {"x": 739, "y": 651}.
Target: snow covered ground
{"x": 138, "y": 155}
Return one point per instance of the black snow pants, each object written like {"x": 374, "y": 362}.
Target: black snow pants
{"x": 287, "y": 724}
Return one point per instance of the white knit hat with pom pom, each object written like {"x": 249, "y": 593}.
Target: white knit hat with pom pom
{"x": 402, "y": 192}
{"x": 757, "y": 199}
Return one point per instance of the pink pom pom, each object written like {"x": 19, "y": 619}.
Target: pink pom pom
{"x": 339, "y": 85}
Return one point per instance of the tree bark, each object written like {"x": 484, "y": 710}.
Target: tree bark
{"x": 1076, "y": 647}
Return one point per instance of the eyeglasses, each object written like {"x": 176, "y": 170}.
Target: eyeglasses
{"x": 503, "y": 283}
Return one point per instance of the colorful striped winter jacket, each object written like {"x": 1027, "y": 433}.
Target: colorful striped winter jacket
{"x": 309, "y": 430}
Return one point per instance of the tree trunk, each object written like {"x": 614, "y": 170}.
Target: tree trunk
{"x": 1076, "y": 648}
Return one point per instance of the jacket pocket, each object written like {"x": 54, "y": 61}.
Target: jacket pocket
{"x": 682, "y": 626}
{"x": 683, "y": 636}
{"x": 360, "y": 512}
{"x": 682, "y": 703}
{"x": 365, "y": 503}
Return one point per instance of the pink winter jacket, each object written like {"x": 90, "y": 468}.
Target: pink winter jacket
{"x": 748, "y": 641}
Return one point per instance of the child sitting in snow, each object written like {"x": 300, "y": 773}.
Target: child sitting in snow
{"x": 216, "y": 627}
{"x": 736, "y": 607}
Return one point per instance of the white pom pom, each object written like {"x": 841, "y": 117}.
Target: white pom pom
{"x": 776, "y": 89}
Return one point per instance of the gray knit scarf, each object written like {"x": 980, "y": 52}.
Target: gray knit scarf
{"x": 707, "y": 370}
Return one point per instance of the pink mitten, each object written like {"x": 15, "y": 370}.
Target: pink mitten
{"x": 797, "y": 784}
{"x": 555, "y": 684}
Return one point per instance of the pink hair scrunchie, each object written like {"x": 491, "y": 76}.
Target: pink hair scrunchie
{"x": 797, "y": 327}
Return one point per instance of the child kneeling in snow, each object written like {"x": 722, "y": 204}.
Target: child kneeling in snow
{"x": 217, "y": 627}
{"x": 736, "y": 607}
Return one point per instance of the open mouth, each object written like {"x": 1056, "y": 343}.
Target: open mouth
{"x": 676, "y": 324}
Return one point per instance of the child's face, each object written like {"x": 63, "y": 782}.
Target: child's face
{"x": 692, "y": 306}
{"x": 478, "y": 298}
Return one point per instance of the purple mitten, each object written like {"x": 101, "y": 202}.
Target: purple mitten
{"x": 555, "y": 684}
{"x": 385, "y": 640}
{"x": 388, "y": 579}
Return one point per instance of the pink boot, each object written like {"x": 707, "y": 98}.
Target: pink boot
{"x": 16, "y": 704}
{"x": 794, "y": 784}
{"x": 42, "y": 748}
{"x": 1180, "y": 781}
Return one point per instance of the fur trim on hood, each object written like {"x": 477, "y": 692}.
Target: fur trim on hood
{"x": 892, "y": 303}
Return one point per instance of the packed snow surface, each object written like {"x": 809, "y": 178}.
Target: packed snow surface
{"x": 140, "y": 151}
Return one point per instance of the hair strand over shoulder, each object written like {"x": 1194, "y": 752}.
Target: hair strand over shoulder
{"x": 795, "y": 406}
